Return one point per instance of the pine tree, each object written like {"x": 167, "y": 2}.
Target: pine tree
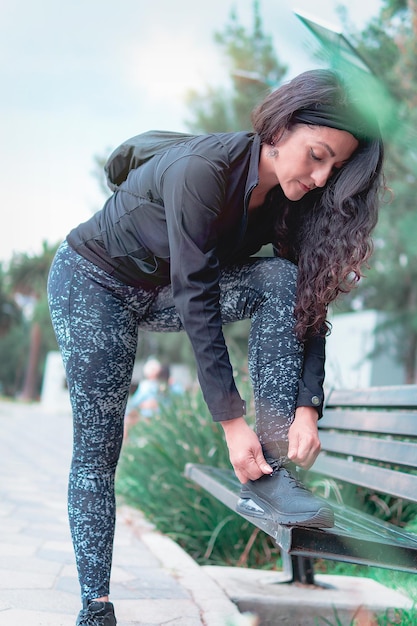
{"x": 254, "y": 69}
{"x": 389, "y": 43}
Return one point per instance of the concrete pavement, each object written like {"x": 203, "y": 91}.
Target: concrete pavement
{"x": 154, "y": 582}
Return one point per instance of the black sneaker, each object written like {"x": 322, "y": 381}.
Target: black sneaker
{"x": 283, "y": 499}
{"x": 97, "y": 614}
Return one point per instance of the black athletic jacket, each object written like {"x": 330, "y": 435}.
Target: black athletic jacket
{"x": 178, "y": 219}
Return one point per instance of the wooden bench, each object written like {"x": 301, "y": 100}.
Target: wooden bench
{"x": 369, "y": 439}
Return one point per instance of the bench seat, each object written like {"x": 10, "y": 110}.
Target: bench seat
{"x": 355, "y": 538}
{"x": 369, "y": 440}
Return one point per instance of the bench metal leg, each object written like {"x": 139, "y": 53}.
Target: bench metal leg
{"x": 297, "y": 569}
{"x": 302, "y": 570}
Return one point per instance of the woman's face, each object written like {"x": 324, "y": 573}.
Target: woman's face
{"x": 308, "y": 155}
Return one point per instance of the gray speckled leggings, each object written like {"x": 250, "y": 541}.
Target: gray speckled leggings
{"x": 96, "y": 320}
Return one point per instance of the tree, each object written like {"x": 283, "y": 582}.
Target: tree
{"x": 28, "y": 277}
{"x": 10, "y": 313}
{"x": 254, "y": 69}
{"x": 389, "y": 43}
{"x": 12, "y": 338}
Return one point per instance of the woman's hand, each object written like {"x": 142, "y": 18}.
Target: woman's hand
{"x": 303, "y": 438}
{"x": 245, "y": 450}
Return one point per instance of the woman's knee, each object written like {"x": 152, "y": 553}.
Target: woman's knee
{"x": 263, "y": 283}
{"x": 276, "y": 276}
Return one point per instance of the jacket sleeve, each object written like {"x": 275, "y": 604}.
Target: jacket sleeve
{"x": 310, "y": 391}
{"x": 193, "y": 193}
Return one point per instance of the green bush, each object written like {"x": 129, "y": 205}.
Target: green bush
{"x": 151, "y": 477}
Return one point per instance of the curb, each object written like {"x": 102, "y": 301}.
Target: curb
{"x": 217, "y": 609}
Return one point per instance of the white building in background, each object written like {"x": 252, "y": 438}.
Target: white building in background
{"x": 352, "y": 361}
{"x": 54, "y": 394}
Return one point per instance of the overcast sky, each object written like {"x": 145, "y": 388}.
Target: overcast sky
{"x": 77, "y": 78}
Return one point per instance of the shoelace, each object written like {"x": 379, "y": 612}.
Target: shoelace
{"x": 294, "y": 482}
{"x": 278, "y": 466}
{"x": 90, "y": 620}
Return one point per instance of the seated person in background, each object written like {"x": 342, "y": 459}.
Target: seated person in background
{"x": 153, "y": 390}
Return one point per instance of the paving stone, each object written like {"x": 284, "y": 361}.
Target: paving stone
{"x": 44, "y": 600}
{"x": 38, "y": 577}
{"x": 15, "y": 617}
{"x": 177, "y": 612}
{"x": 16, "y": 550}
{"x": 13, "y": 579}
{"x": 63, "y": 557}
{"x": 68, "y": 584}
{"x": 29, "y": 564}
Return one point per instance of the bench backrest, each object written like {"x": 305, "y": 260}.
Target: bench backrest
{"x": 369, "y": 438}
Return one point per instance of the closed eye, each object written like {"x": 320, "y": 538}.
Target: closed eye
{"x": 336, "y": 167}
{"x": 314, "y": 156}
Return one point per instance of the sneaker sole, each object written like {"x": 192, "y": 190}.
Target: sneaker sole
{"x": 323, "y": 518}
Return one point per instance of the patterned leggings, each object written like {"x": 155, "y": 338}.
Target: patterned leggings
{"x": 96, "y": 320}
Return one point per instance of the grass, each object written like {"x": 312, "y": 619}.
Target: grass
{"x": 364, "y": 617}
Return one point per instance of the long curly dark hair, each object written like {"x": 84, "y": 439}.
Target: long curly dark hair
{"x": 327, "y": 233}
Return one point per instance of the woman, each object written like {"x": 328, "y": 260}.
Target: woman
{"x": 172, "y": 250}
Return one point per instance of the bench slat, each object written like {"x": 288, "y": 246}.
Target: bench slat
{"x": 393, "y": 396}
{"x": 384, "y": 422}
{"x": 383, "y": 450}
{"x": 361, "y": 540}
{"x": 394, "y": 483}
